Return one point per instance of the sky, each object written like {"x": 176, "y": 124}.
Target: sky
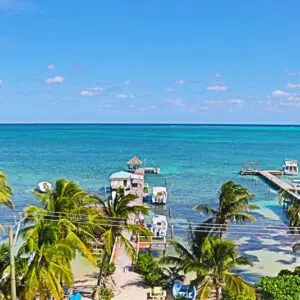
{"x": 156, "y": 61}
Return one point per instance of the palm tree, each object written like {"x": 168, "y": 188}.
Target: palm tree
{"x": 212, "y": 261}
{"x": 48, "y": 257}
{"x": 5, "y": 193}
{"x": 65, "y": 222}
{"x": 173, "y": 273}
{"x": 4, "y": 265}
{"x": 72, "y": 209}
{"x": 234, "y": 205}
{"x": 117, "y": 229}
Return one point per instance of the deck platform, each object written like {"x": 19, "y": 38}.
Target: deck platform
{"x": 271, "y": 176}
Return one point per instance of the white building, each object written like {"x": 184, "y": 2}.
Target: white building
{"x": 128, "y": 181}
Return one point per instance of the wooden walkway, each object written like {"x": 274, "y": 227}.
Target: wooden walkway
{"x": 272, "y": 179}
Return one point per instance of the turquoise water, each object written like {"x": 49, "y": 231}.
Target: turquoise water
{"x": 195, "y": 160}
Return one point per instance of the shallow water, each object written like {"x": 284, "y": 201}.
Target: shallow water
{"x": 194, "y": 161}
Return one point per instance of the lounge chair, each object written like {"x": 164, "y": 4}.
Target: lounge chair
{"x": 157, "y": 293}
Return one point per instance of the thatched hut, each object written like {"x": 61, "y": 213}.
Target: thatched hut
{"x": 134, "y": 163}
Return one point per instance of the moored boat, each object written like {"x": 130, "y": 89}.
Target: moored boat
{"x": 290, "y": 167}
{"x": 159, "y": 226}
{"x": 44, "y": 186}
{"x": 159, "y": 195}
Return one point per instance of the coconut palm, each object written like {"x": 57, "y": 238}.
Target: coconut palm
{"x": 116, "y": 213}
{"x": 4, "y": 272}
{"x": 234, "y": 205}
{"x": 5, "y": 193}
{"x": 212, "y": 262}
{"x": 72, "y": 209}
{"x": 48, "y": 257}
{"x": 173, "y": 273}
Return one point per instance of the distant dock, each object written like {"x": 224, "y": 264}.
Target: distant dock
{"x": 271, "y": 176}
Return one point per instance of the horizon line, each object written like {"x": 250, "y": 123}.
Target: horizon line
{"x": 162, "y": 124}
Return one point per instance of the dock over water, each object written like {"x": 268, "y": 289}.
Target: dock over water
{"x": 271, "y": 176}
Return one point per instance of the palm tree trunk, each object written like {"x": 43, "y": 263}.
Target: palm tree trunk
{"x": 218, "y": 293}
{"x": 97, "y": 290}
{"x": 101, "y": 269}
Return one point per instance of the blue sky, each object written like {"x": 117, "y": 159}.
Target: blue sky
{"x": 150, "y": 61}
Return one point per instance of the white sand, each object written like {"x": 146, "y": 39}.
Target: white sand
{"x": 85, "y": 275}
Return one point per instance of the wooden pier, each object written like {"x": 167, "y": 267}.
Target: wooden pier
{"x": 271, "y": 176}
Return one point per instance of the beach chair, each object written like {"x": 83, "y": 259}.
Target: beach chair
{"x": 157, "y": 293}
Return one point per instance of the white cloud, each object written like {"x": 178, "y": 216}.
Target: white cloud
{"x": 292, "y": 73}
{"x": 180, "y": 81}
{"x": 218, "y": 75}
{"x": 294, "y": 97}
{"x": 127, "y": 82}
{"x": 89, "y": 92}
{"x": 213, "y": 102}
{"x": 169, "y": 90}
{"x": 98, "y": 89}
{"x": 176, "y": 102}
{"x": 51, "y": 67}
{"x": 235, "y": 101}
{"x": 86, "y": 93}
{"x": 55, "y": 79}
{"x": 293, "y": 85}
{"x": 1, "y": 82}
{"x": 125, "y": 96}
{"x": 280, "y": 93}
{"x": 217, "y": 87}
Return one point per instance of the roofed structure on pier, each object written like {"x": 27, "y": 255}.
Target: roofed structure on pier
{"x": 134, "y": 163}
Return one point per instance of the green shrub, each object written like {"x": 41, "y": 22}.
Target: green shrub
{"x": 146, "y": 263}
{"x": 108, "y": 268}
{"x": 148, "y": 266}
{"x": 285, "y": 287}
{"x": 106, "y": 293}
{"x": 228, "y": 296}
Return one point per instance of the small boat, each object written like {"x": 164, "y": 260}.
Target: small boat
{"x": 159, "y": 195}
{"x": 180, "y": 290}
{"x": 159, "y": 226}
{"x": 290, "y": 167}
{"x": 296, "y": 181}
{"x": 43, "y": 186}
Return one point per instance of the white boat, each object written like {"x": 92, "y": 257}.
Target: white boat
{"x": 290, "y": 167}
{"x": 159, "y": 195}
{"x": 43, "y": 186}
{"x": 296, "y": 181}
{"x": 159, "y": 226}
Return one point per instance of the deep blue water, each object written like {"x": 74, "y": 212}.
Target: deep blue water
{"x": 194, "y": 159}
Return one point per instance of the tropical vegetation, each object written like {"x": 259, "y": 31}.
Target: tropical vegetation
{"x": 149, "y": 267}
{"x": 213, "y": 262}
{"x": 5, "y": 193}
{"x": 234, "y": 204}
{"x": 285, "y": 287}
{"x": 116, "y": 229}
{"x": 68, "y": 221}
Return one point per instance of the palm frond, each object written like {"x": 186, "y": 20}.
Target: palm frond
{"x": 238, "y": 287}
{"x": 204, "y": 290}
{"x": 241, "y": 217}
{"x": 206, "y": 210}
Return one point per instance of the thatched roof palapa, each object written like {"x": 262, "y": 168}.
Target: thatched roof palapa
{"x": 134, "y": 161}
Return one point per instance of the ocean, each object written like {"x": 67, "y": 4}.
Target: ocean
{"x": 194, "y": 159}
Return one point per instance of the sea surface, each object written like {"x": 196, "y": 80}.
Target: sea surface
{"x": 195, "y": 160}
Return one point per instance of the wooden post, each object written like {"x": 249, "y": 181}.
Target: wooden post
{"x": 12, "y": 264}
